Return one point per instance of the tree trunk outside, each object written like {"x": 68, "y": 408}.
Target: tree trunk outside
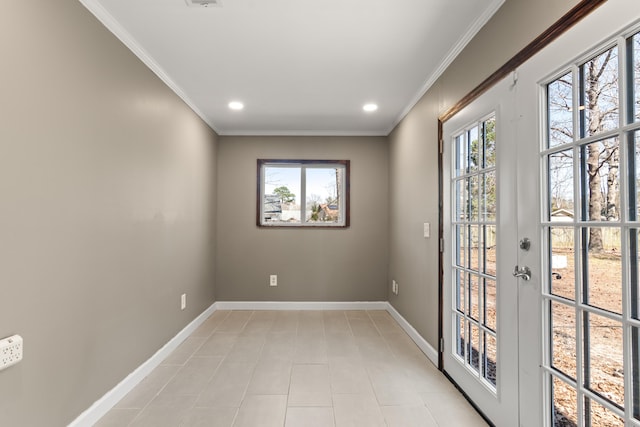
{"x": 593, "y": 157}
{"x": 613, "y": 185}
{"x": 595, "y": 196}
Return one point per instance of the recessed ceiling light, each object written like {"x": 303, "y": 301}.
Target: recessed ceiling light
{"x": 204, "y": 3}
{"x": 370, "y": 108}
{"x": 236, "y": 105}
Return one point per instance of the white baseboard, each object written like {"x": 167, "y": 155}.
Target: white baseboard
{"x": 426, "y": 348}
{"x": 96, "y": 411}
{"x": 301, "y": 305}
{"x": 100, "y": 407}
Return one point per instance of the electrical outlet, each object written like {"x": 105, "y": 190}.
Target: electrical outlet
{"x": 10, "y": 351}
{"x": 394, "y": 287}
{"x": 273, "y": 280}
{"x": 183, "y": 301}
{"x": 427, "y": 230}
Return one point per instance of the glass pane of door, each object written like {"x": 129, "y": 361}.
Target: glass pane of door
{"x": 591, "y": 242}
{"x": 475, "y": 243}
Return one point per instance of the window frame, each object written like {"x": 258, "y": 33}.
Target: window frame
{"x": 303, "y": 164}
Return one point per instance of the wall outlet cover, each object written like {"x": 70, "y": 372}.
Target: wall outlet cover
{"x": 10, "y": 351}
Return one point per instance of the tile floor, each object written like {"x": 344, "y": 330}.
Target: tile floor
{"x": 295, "y": 368}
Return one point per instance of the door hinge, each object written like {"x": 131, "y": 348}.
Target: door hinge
{"x": 441, "y": 345}
{"x": 441, "y": 245}
{"x": 440, "y": 144}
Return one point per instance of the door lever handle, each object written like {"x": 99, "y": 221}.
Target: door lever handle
{"x": 524, "y": 273}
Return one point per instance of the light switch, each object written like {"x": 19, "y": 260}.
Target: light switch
{"x": 427, "y": 229}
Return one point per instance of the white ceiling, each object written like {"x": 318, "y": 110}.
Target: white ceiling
{"x": 299, "y": 66}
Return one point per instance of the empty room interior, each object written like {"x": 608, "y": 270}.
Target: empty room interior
{"x": 235, "y": 212}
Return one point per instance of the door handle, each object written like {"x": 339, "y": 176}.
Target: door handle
{"x": 524, "y": 272}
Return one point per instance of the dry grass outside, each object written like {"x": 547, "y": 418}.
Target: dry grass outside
{"x": 605, "y": 336}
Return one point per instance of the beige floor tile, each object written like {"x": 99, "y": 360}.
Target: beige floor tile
{"x": 379, "y": 314}
{"x": 258, "y": 327}
{"x": 385, "y": 323}
{"x": 271, "y": 377}
{"x": 305, "y": 316}
{"x": 310, "y": 330}
{"x": 279, "y": 346}
{"x": 209, "y": 417}
{"x": 184, "y": 351}
{"x": 309, "y": 417}
{"x": 264, "y": 315}
{"x": 148, "y": 388}
{"x": 228, "y": 385}
{"x": 374, "y": 349}
{"x": 311, "y": 350}
{"x": 285, "y": 322}
{"x": 351, "y": 368}
{"x": 425, "y": 377}
{"x": 117, "y": 418}
{"x": 310, "y": 323}
{"x": 342, "y": 345}
{"x": 357, "y": 410}
{"x": 211, "y": 324}
{"x": 452, "y": 409}
{"x": 235, "y": 322}
{"x": 193, "y": 376}
{"x": 400, "y": 339}
{"x": 356, "y": 314}
{"x": 177, "y": 402}
{"x": 363, "y": 328}
{"x": 158, "y": 417}
{"x": 260, "y": 323}
{"x": 403, "y": 347}
{"x": 263, "y": 411}
{"x": 218, "y": 344}
{"x": 349, "y": 376}
{"x": 247, "y": 348}
{"x": 408, "y": 416}
{"x": 391, "y": 385}
{"x": 310, "y": 386}
{"x": 336, "y": 322}
{"x": 164, "y": 410}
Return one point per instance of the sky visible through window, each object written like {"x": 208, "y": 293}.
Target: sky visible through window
{"x": 320, "y": 181}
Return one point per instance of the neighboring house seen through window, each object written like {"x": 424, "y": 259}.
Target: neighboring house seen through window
{"x": 303, "y": 193}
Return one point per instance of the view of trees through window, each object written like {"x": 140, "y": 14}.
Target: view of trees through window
{"x": 474, "y": 240}
{"x": 313, "y": 193}
{"x": 593, "y": 110}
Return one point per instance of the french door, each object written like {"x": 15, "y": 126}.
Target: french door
{"x": 541, "y": 181}
{"x": 483, "y": 251}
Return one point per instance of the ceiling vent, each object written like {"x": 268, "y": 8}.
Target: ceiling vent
{"x": 204, "y": 3}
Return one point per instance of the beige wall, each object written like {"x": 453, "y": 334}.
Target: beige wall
{"x": 311, "y": 264}
{"x": 413, "y": 155}
{"x": 107, "y": 185}
{"x": 108, "y": 194}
